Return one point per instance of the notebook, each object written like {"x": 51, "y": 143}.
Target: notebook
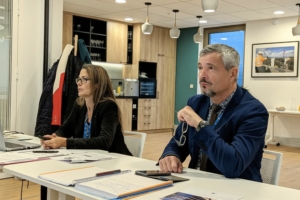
{"x": 15, "y": 145}
{"x": 108, "y": 185}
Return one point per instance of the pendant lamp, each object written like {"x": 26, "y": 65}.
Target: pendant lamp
{"x": 209, "y": 5}
{"x": 147, "y": 28}
{"x": 120, "y": 1}
{"x": 198, "y": 36}
{"x": 175, "y": 32}
{"x": 296, "y": 29}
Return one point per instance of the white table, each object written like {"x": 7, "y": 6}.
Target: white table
{"x": 18, "y": 136}
{"x": 213, "y": 182}
{"x": 272, "y": 114}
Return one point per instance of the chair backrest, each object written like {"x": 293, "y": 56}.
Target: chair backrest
{"x": 270, "y": 167}
{"x": 135, "y": 142}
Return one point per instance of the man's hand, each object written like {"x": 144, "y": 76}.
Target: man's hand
{"x": 188, "y": 115}
{"x": 170, "y": 164}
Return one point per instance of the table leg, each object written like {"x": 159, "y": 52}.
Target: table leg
{"x": 55, "y": 195}
{"x": 271, "y": 130}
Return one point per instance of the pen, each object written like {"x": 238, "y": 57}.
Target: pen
{"x": 44, "y": 151}
{"x": 108, "y": 172}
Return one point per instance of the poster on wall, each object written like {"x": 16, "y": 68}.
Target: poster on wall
{"x": 278, "y": 59}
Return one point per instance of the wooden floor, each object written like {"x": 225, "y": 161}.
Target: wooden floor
{"x": 289, "y": 177}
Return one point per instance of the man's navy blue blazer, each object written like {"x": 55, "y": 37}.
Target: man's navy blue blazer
{"x": 235, "y": 147}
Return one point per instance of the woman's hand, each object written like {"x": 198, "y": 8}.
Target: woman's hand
{"x": 54, "y": 143}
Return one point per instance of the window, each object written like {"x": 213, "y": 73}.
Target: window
{"x": 233, "y": 36}
{"x": 5, "y": 60}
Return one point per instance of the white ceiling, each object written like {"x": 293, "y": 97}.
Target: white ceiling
{"x": 161, "y": 14}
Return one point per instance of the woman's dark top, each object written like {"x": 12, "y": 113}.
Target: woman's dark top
{"x": 106, "y": 133}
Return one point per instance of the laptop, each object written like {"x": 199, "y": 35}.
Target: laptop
{"x": 15, "y": 145}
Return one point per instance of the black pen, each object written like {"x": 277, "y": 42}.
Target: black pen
{"x": 44, "y": 151}
{"x": 108, "y": 172}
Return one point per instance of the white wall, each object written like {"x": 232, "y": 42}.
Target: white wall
{"x": 27, "y": 58}
{"x": 273, "y": 92}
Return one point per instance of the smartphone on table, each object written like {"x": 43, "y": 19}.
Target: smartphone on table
{"x": 43, "y": 138}
{"x": 152, "y": 173}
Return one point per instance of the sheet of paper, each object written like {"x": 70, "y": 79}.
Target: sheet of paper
{"x": 84, "y": 157}
{"x": 201, "y": 194}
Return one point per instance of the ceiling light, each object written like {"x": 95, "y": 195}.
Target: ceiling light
{"x": 209, "y": 5}
{"x": 296, "y": 29}
{"x": 175, "y": 32}
{"x": 202, "y": 21}
{"x": 198, "y": 36}
{"x": 279, "y": 12}
{"x": 147, "y": 28}
{"x": 224, "y": 39}
{"x": 120, "y": 1}
{"x": 128, "y": 19}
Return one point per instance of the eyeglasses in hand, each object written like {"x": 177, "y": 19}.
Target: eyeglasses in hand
{"x": 182, "y": 139}
{"x": 82, "y": 80}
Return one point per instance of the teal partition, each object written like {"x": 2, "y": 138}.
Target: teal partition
{"x": 186, "y": 68}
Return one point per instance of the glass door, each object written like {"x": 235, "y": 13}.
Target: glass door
{"x": 5, "y": 60}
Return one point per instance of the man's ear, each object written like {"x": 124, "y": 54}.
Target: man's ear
{"x": 234, "y": 73}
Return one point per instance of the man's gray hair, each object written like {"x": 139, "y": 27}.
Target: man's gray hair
{"x": 230, "y": 56}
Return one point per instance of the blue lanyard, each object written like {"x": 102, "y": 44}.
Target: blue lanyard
{"x": 217, "y": 120}
{"x": 87, "y": 129}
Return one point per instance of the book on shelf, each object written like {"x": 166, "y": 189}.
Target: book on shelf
{"x": 103, "y": 183}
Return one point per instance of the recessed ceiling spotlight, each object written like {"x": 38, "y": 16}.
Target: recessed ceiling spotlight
{"x": 224, "y": 39}
{"x": 120, "y": 1}
{"x": 202, "y": 21}
{"x": 128, "y": 19}
{"x": 279, "y": 12}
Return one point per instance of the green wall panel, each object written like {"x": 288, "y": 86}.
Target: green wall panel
{"x": 186, "y": 68}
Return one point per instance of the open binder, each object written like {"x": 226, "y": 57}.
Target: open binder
{"x": 117, "y": 185}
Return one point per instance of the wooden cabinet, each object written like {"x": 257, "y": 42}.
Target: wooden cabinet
{"x": 158, "y": 47}
{"x": 67, "y": 29}
{"x": 165, "y": 100}
{"x": 125, "y": 106}
{"x": 149, "y": 46}
{"x": 116, "y": 42}
{"x": 146, "y": 114}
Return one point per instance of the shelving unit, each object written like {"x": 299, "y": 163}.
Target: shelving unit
{"x": 93, "y": 32}
{"x": 129, "y": 44}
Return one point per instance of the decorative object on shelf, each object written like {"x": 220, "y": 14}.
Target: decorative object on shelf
{"x": 198, "y": 36}
{"x": 147, "y": 28}
{"x": 92, "y": 28}
{"x": 175, "y": 32}
{"x": 296, "y": 29}
{"x": 295, "y": 106}
{"x": 130, "y": 35}
{"x": 78, "y": 27}
{"x": 281, "y": 108}
{"x": 278, "y": 59}
{"x": 209, "y": 5}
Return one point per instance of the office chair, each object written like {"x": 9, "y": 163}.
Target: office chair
{"x": 270, "y": 167}
{"x": 135, "y": 142}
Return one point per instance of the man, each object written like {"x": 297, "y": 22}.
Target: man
{"x": 259, "y": 60}
{"x": 233, "y": 144}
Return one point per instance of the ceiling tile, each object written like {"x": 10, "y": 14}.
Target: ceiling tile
{"x": 225, "y": 18}
{"x": 270, "y": 11}
{"x": 285, "y": 2}
{"x": 74, "y": 8}
{"x": 251, "y": 15}
{"x": 253, "y": 4}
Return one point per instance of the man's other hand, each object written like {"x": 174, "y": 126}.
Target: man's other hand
{"x": 170, "y": 164}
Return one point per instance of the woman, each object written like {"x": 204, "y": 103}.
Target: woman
{"x": 95, "y": 120}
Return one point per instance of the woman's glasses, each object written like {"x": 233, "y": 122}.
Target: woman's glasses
{"x": 82, "y": 80}
{"x": 182, "y": 139}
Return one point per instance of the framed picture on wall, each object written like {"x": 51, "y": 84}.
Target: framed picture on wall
{"x": 278, "y": 59}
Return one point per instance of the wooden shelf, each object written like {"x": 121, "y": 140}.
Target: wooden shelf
{"x": 91, "y": 29}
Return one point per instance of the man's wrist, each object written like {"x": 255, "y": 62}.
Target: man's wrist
{"x": 201, "y": 125}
